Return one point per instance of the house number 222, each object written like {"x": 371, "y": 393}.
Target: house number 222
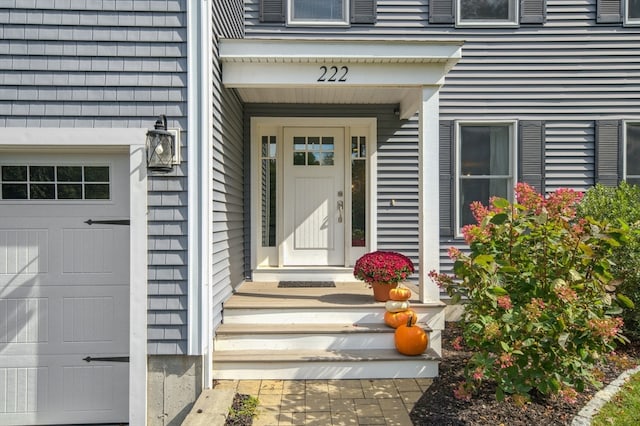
{"x": 333, "y": 74}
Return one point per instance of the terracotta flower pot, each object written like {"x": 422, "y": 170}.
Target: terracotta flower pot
{"x": 381, "y": 291}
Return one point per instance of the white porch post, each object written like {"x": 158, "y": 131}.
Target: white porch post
{"x": 429, "y": 193}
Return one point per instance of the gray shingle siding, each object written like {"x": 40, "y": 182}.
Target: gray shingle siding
{"x": 72, "y": 63}
{"x": 228, "y": 262}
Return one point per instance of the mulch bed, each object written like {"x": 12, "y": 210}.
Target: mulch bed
{"x": 439, "y": 407}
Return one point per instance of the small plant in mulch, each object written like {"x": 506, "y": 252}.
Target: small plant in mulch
{"x": 242, "y": 410}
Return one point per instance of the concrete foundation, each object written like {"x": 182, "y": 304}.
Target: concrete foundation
{"x": 173, "y": 385}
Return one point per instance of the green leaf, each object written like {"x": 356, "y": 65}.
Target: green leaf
{"x": 499, "y": 218}
{"x": 507, "y": 269}
{"x": 501, "y": 203}
{"x": 499, "y": 394}
{"x": 497, "y": 291}
{"x": 562, "y": 340}
{"x": 555, "y": 384}
{"x": 483, "y": 259}
{"x": 625, "y": 300}
{"x": 505, "y": 347}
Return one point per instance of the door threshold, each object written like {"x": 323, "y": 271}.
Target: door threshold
{"x": 304, "y": 273}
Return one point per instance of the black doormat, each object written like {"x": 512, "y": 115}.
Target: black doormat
{"x": 310, "y": 284}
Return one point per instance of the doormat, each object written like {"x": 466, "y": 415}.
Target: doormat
{"x": 310, "y": 284}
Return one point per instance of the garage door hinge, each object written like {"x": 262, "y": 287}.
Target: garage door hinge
{"x": 108, "y": 222}
{"x": 107, "y": 358}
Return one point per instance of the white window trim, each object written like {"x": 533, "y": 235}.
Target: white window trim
{"x": 629, "y": 21}
{"x": 489, "y": 24}
{"x": 513, "y": 166}
{"x": 318, "y": 22}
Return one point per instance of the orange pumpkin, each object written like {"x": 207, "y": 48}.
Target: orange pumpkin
{"x": 400, "y": 293}
{"x": 410, "y": 339}
{"x": 396, "y": 319}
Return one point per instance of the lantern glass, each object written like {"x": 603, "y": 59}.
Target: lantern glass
{"x": 160, "y": 150}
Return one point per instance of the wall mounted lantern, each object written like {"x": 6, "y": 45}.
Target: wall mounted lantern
{"x": 161, "y": 147}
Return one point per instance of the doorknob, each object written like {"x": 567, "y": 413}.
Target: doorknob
{"x": 340, "y": 209}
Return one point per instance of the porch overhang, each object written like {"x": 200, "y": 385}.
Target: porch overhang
{"x": 336, "y": 71}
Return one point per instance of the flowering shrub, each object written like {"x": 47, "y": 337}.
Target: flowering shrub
{"x": 540, "y": 295}
{"x": 621, "y": 203}
{"x": 383, "y": 267}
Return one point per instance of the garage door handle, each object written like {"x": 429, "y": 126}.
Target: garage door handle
{"x": 108, "y": 222}
{"x": 107, "y": 358}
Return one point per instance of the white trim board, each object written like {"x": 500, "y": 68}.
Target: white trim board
{"x": 133, "y": 140}
{"x": 337, "y": 71}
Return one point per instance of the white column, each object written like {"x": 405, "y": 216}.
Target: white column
{"x": 429, "y": 193}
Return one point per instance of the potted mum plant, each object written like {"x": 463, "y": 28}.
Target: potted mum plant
{"x": 383, "y": 270}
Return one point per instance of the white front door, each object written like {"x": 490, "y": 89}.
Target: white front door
{"x": 64, "y": 288}
{"x": 313, "y": 196}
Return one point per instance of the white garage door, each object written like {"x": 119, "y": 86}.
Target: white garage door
{"x": 64, "y": 288}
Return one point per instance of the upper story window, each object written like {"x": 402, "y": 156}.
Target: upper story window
{"x": 632, "y": 153}
{"x": 319, "y": 12}
{"x": 313, "y": 12}
{"x": 487, "y": 12}
{"x": 486, "y": 163}
{"x": 632, "y": 12}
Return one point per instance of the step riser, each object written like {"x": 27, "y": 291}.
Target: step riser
{"x": 314, "y": 342}
{"x": 434, "y": 317}
{"x": 302, "y": 342}
{"x": 304, "y": 370}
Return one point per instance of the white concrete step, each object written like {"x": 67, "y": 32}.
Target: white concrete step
{"x": 428, "y": 313}
{"x": 331, "y": 337}
{"x": 321, "y": 365}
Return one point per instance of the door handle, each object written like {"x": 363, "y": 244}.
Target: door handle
{"x": 340, "y": 210}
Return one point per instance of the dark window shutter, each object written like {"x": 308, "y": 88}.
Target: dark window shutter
{"x": 533, "y": 11}
{"x": 272, "y": 11}
{"x": 608, "y": 152}
{"x": 609, "y": 11}
{"x": 447, "y": 178}
{"x": 363, "y": 11}
{"x": 531, "y": 154}
{"x": 441, "y": 11}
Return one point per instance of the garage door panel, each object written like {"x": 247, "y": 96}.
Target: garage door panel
{"x": 86, "y": 321}
{"x": 23, "y": 251}
{"x": 51, "y": 389}
{"x": 64, "y": 296}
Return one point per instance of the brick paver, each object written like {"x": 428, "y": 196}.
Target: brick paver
{"x": 332, "y": 402}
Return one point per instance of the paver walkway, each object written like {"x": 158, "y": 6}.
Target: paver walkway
{"x": 332, "y": 402}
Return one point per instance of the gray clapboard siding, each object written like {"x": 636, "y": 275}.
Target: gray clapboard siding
{"x": 570, "y": 71}
{"x": 228, "y": 263}
{"x": 109, "y": 64}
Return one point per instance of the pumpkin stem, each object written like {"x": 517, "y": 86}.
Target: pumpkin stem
{"x": 409, "y": 321}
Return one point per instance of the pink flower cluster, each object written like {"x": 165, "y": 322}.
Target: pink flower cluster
{"x": 606, "y": 328}
{"x": 504, "y": 302}
{"x": 506, "y": 360}
{"x": 383, "y": 267}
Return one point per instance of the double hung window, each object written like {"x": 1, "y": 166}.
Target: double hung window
{"x": 309, "y": 12}
{"x": 485, "y": 165}
{"x": 632, "y": 12}
{"x": 632, "y": 153}
{"x": 487, "y": 12}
